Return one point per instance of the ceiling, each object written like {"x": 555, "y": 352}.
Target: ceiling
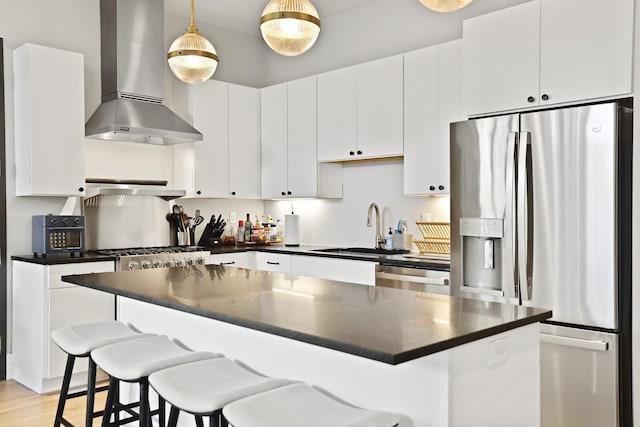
{"x": 244, "y": 15}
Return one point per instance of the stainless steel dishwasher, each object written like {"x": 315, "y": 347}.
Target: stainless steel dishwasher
{"x": 415, "y": 279}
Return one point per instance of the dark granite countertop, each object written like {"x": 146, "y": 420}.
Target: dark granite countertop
{"x": 402, "y": 260}
{"x": 62, "y": 258}
{"x": 412, "y": 260}
{"x": 383, "y": 324}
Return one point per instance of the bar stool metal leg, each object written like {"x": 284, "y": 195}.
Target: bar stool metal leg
{"x": 91, "y": 393}
{"x": 110, "y": 403}
{"x": 64, "y": 391}
{"x": 145, "y": 416}
{"x": 174, "y": 413}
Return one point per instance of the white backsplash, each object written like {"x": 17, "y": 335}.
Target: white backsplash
{"x": 343, "y": 222}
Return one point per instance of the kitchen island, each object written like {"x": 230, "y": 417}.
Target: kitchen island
{"x": 442, "y": 361}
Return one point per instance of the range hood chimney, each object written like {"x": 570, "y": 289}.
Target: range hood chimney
{"x": 133, "y": 68}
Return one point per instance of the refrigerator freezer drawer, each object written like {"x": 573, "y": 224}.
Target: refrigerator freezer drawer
{"x": 579, "y": 377}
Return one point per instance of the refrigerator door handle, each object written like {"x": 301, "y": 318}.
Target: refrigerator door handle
{"x": 523, "y": 212}
{"x": 510, "y": 216}
{"x": 595, "y": 345}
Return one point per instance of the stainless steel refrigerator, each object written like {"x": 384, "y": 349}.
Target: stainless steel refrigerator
{"x": 541, "y": 216}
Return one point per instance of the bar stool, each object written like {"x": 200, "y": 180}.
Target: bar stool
{"x": 203, "y": 388}
{"x": 133, "y": 362}
{"x": 79, "y": 341}
{"x": 302, "y": 405}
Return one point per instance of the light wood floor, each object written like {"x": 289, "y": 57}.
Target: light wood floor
{"x": 22, "y": 407}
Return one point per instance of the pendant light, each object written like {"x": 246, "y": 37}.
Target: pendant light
{"x": 445, "y": 5}
{"x": 290, "y": 27}
{"x": 192, "y": 58}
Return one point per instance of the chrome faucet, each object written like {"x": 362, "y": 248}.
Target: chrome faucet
{"x": 374, "y": 207}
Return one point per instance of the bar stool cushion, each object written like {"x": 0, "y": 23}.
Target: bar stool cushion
{"x": 135, "y": 359}
{"x": 301, "y": 405}
{"x": 79, "y": 340}
{"x": 206, "y": 386}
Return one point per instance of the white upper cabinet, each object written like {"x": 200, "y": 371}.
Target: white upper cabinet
{"x": 380, "y": 95}
{"x": 244, "y": 142}
{"x": 289, "y": 149}
{"x": 360, "y": 111}
{"x": 49, "y": 121}
{"x": 547, "y": 52}
{"x": 226, "y": 163}
{"x": 337, "y": 114}
{"x": 501, "y": 59}
{"x": 274, "y": 141}
{"x": 432, "y": 100}
{"x": 211, "y": 118}
{"x": 586, "y": 49}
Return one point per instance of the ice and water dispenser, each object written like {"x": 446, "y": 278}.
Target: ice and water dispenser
{"x": 482, "y": 245}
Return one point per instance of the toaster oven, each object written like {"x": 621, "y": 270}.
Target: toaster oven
{"x": 54, "y": 234}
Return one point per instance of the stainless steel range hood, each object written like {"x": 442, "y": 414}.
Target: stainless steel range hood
{"x": 106, "y": 188}
{"x": 133, "y": 68}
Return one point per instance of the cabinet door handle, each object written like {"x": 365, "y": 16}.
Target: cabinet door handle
{"x": 283, "y": 193}
{"x": 545, "y": 97}
{"x": 530, "y": 99}
{"x": 273, "y": 263}
{"x": 351, "y": 153}
{"x": 288, "y": 193}
{"x": 440, "y": 187}
{"x": 432, "y": 188}
{"x": 227, "y": 263}
{"x": 233, "y": 193}
{"x": 81, "y": 189}
{"x": 359, "y": 152}
{"x": 198, "y": 192}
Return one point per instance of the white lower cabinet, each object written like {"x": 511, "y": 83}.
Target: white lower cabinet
{"x": 233, "y": 259}
{"x": 280, "y": 263}
{"x": 343, "y": 270}
{"x": 42, "y": 302}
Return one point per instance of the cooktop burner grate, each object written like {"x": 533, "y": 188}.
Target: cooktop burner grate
{"x": 149, "y": 250}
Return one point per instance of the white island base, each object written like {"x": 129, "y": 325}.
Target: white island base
{"x": 491, "y": 382}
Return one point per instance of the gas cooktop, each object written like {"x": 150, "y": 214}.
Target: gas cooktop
{"x": 149, "y": 250}
{"x": 157, "y": 256}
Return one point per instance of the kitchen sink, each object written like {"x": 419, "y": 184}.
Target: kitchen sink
{"x": 372, "y": 251}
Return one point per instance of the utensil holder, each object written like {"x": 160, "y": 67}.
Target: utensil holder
{"x": 182, "y": 238}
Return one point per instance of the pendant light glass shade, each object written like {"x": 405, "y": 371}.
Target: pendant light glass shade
{"x": 290, "y": 27}
{"x": 445, "y": 5}
{"x": 192, "y": 58}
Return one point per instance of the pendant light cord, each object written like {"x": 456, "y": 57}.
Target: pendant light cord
{"x": 192, "y": 23}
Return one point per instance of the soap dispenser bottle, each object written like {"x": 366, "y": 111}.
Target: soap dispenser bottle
{"x": 388, "y": 243}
